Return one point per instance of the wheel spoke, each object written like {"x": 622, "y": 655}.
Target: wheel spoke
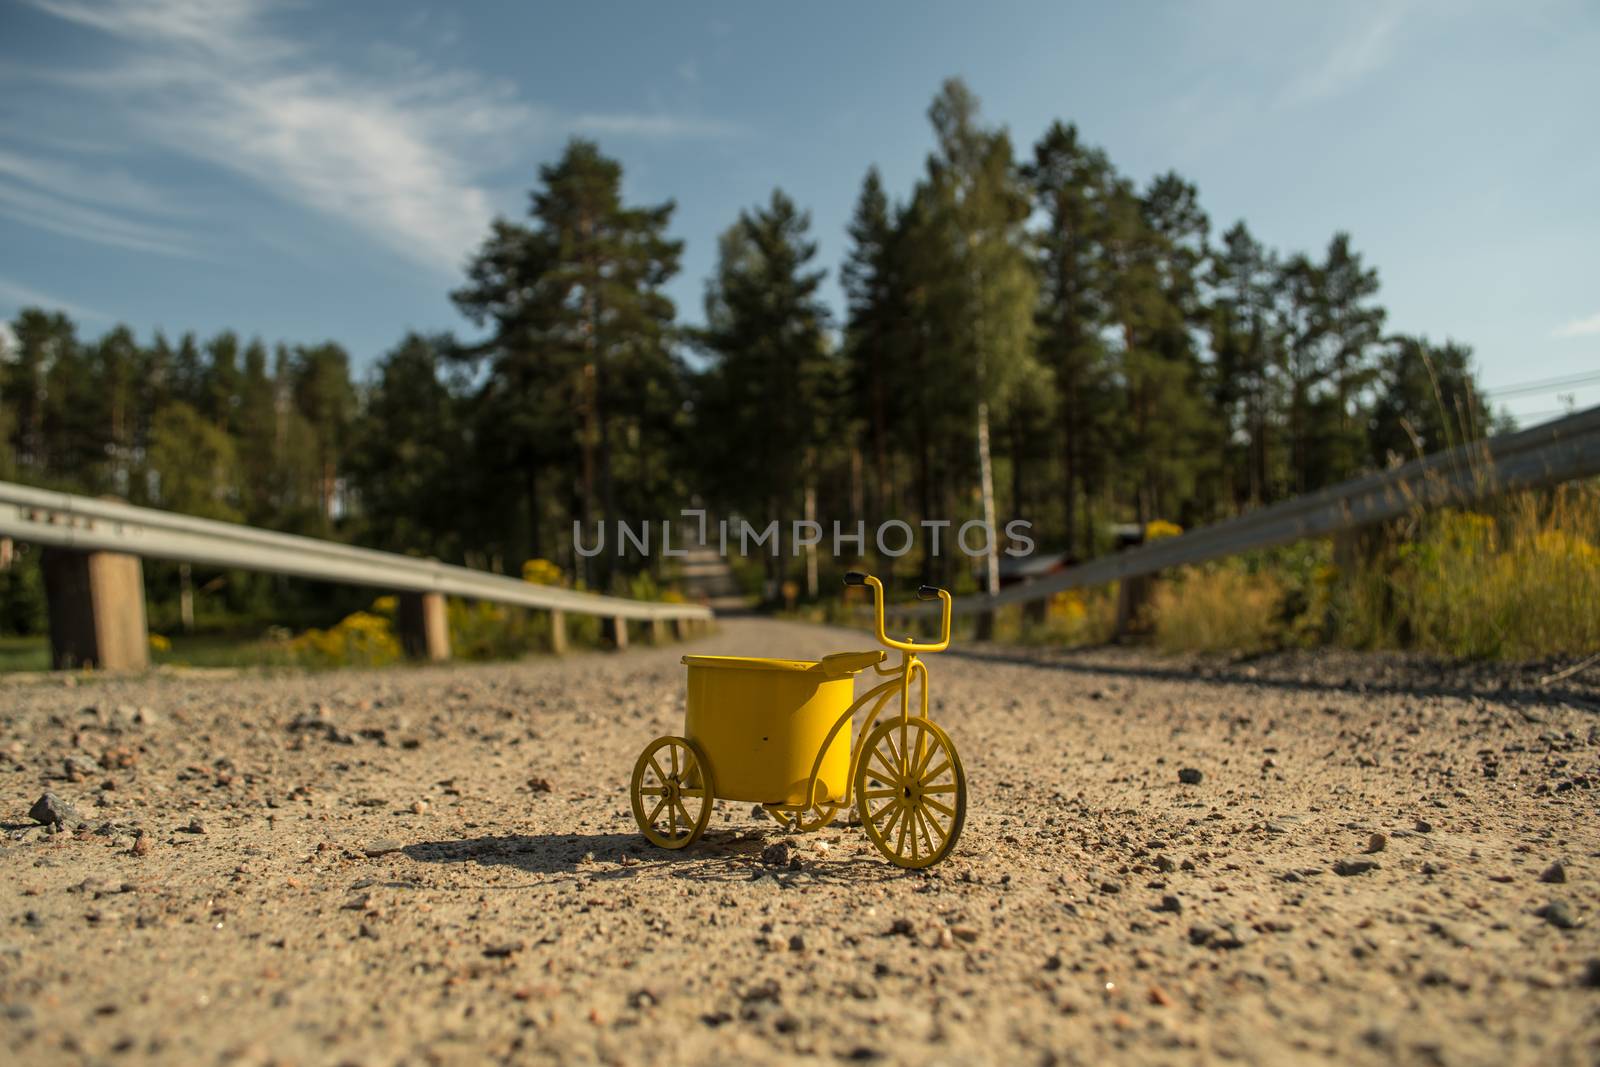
{"x": 893, "y": 776}
{"x": 892, "y": 760}
{"x": 948, "y": 787}
{"x": 904, "y": 756}
{"x": 939, "y": 806}
{"x": 656, "y": 811}
{"x": 900, "y": 844}
{"x": 661, "y": 775}
{"x": 894, "y": 820}
{"x": 688, "y": 823}
{"x": 879, "y": 794}
{"x": 875, "y": 816}
{"x": 698, "y": 791}
{"x": 934, "y": 774}
{"x": 924, "y": 756}
{"x": 672, "y": 813}
{"x": 925, "y": 823}
{"x": 651, "y": 790}
{"x": 675, "y": 770}
{"x": 932, "y": 825}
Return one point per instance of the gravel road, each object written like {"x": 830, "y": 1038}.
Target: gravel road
{"x": 1305, "y": 859}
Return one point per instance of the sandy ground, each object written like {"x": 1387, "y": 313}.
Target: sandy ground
{"x": 439, "y": 866}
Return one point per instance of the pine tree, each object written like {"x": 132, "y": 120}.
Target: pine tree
{"x": 1428, "y": 399}
{"x": 875, "y": 284}
{"x": 1246, "y": 340}
{"x": 1070, "y": 182}
{"x": 582, "y": 328}
{"x": 767, "y": 397}
{"x": 987, "y": 291}
{"x": 407, "y": 459}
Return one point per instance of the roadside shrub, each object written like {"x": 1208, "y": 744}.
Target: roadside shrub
{"x": 1223, "y": 608}
{"x": 360, "y": 639}
{"x": 1521, "y": 582}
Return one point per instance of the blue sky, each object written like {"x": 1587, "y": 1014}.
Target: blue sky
{"x": 307, "y": 171}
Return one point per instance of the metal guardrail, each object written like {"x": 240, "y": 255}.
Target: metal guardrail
{"x": 62, "y": 520}
{"x": 1554, "y": 452}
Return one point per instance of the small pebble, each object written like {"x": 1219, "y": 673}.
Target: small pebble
{"x": 1558, "y": 913}
{"x": 1346, "y": 868}
{"x": 1377, "y": 843}
{"x": 1556, "y": 872}
{"x": 1190, "y": 775}
{"x": 51, "y": 810}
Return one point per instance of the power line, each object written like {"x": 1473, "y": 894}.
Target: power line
{"x": 1544, "y": 385}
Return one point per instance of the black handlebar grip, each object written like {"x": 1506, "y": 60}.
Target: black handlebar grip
{"x": 928, "y": 592}
{"x": 854, "y": 578}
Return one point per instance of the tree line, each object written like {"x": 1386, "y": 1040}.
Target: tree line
{"x": 1024, "y": 335}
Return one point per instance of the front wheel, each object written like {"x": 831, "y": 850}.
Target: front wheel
{"x": 672, "y": 792}
{"x": 911, "y": 792}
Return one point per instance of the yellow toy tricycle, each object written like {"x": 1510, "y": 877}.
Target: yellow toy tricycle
{"x": 776, "y": 732}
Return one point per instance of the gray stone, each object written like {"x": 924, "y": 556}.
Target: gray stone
{"x": 1558, "y": 913}
{"x": 1346, "y": 868}
{"x": 51, "y": 810}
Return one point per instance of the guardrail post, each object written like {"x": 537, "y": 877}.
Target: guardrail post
{"x": 96, "y": 610}
{"x": 558, "y": 632}
{"x": 615, "y": 631}
{"x": 984, "y": 618}
{"x": 1133, "y": 602}
{"x": 658, "y": 631}
{"x": 424, "y": 626}
{"x": 680, "y": 628}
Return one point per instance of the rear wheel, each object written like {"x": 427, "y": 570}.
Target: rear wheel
{"x": 911, "y": 792}
{"x": 672, "y": 792}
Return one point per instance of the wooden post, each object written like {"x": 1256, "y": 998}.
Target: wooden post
{"x": 424, "y": 626}
{"x": 96, "y": 610}
{"x": 985, "y": 625}
{"x": 658, "y": 631}
{"x": 1133, "y": 602}
{"x": 680, "y": 628}
{"x": 616, "y": 632}
{"x": 558, "y": 632}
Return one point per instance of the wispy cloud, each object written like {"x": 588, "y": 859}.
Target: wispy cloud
{"x": 1348, "y": 60}
{"x": 19, "y": 296}
{"x": 397, "y": 150}
{"x": 101, "y": 205}
{"x": 653, "y": 126}
{"x": 1589, "y": 327}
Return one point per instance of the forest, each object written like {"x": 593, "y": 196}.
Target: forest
{"x": 1026, "y": 332}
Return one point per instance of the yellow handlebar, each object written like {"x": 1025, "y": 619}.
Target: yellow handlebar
{"x": 927, "y": 592}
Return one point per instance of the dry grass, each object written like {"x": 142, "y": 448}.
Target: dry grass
{"x": 1218, "y": 609}
{"x": 1519, "y": 582}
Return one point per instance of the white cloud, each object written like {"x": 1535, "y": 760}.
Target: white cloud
{"x": 19, "y": 296}
{"x": 59, "y": 215}
{"x": 1588, "y": 327}
{"x": 653, "y": 126}
{"x": 397, "y": 152}
{"x": 1349, "y": 60}
{"x": 68, "y": 199}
